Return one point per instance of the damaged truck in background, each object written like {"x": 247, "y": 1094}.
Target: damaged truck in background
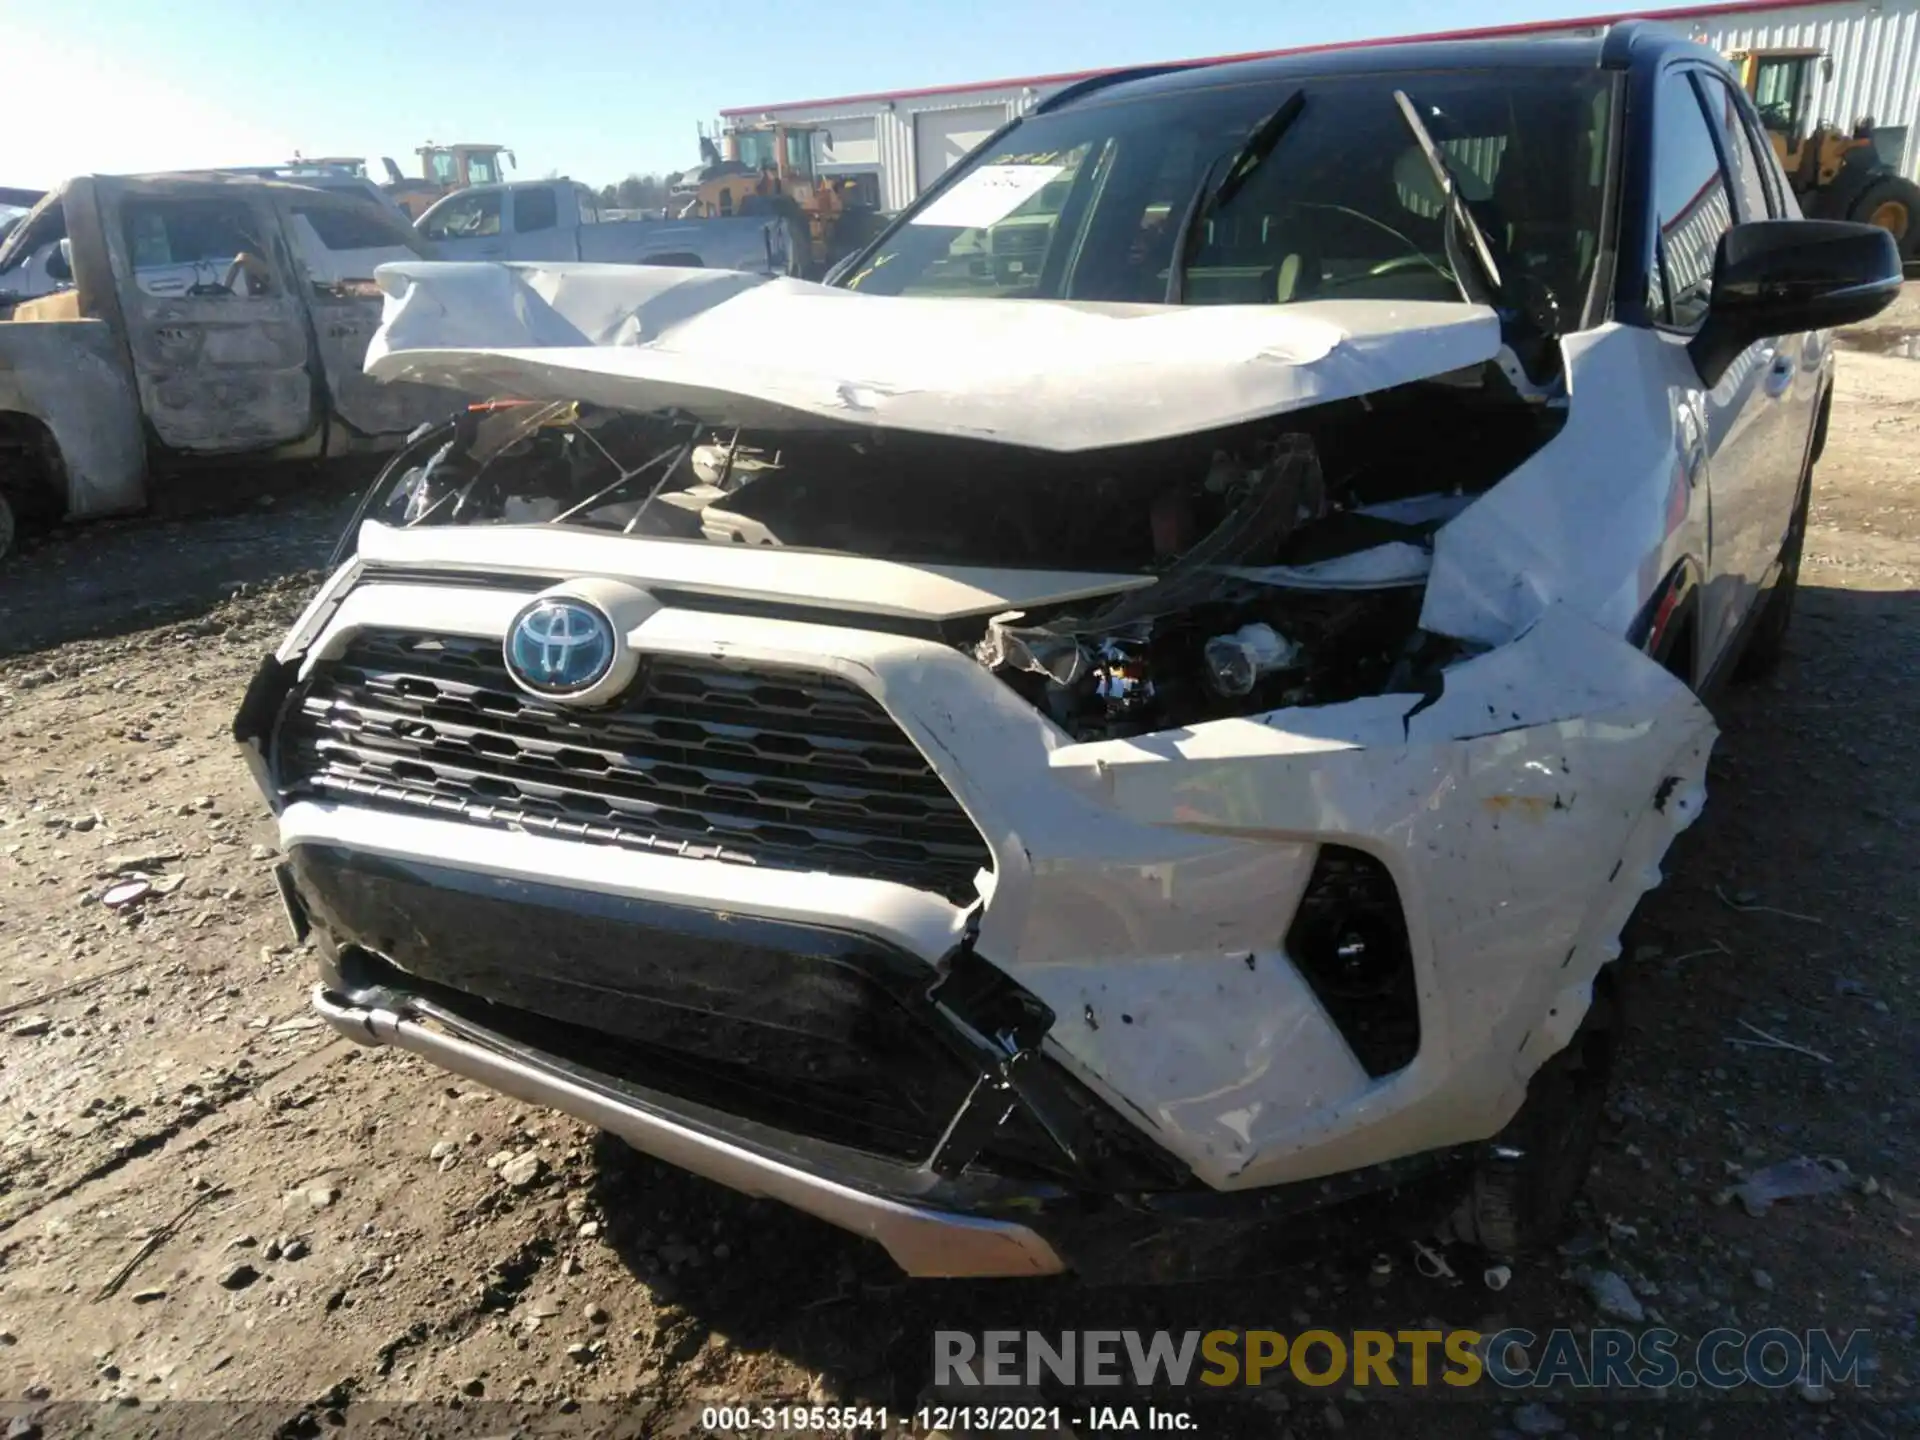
{"x": 154, "y": 324}
{"x": 1093, "y": 765}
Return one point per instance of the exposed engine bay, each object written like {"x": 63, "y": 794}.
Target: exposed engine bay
{"x": 1290, "y": 554}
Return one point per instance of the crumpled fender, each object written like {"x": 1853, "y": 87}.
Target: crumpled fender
{"x": 1522, "y": 813}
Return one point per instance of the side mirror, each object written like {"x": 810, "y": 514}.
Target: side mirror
{"x": 60, "y": 262}
{"x": 1777, "y": 277}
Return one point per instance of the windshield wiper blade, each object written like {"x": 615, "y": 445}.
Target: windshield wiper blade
{"x": 1210, "y": 194}
{"x": 1449, "y": 183}
{"x": 1259, "y": 145}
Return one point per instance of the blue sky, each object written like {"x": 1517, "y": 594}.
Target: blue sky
{"x": 591, "y": 88}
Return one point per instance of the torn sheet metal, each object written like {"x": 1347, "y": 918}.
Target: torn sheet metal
{"x": 856, "y": 583}
{"x": 1522, "y": 814}
{"x": 1552, "y": 531}
{"x": 736, "y": 349}
{"x": 1418, "y": 509}
{"x": 1395, "y": 563}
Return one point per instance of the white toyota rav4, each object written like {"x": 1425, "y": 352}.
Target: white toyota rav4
{"x": 1096, "y": 759}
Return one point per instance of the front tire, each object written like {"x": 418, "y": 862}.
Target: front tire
{"x": 1525, "y": 1183}
{"x": 1767, "y": 646}
{"x": 1892, "y": 203}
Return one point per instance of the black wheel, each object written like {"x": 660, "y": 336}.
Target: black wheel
{"x": 1527, "y": 1179}
{"x": 1768, "y": 643}
{"x": 9, "y": 527}
{"x": 1893, "y": 204}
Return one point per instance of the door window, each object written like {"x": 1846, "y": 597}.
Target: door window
{"x": 1692, "y": 207}
{"x": 342, "y": 245}
{"x": 535, "y": 209}
{"x": 1779, "y": 91}
{"x": 465, "y": 217}
{"x": 1749, "y": 176}
{"x": 589, "y": 206}
{"x": 800, "y": 152}
{"x": 755, "y": 149}
{"x": 205, "y": 248}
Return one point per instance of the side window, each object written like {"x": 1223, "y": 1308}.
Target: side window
{"x": 1749, "y": 178}
{"x": 589, "y": 207}
{"x": 1692, "y": 208}
{"x": 465, "y": 217}
{"x": 341, "y": 246}
{"x": 535, "y": 209}
{"x": 37, "y": 245}
{"x": 206, "y": 248}
{"x": 349, "y": 230}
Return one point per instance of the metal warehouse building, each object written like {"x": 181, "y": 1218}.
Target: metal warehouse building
{"x": 905, "y": 139}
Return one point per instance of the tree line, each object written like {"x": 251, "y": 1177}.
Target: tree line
{"x": 637, "y": 192}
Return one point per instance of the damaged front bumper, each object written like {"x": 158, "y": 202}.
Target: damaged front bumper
{"x": 1029, "y": 1175}
{"x": 924, "y": 1241}
{"x": 1159, "y": 1057}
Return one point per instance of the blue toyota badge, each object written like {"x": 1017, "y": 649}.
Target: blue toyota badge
{"x": 558, "y": 646}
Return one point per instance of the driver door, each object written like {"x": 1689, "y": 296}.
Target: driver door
{"x": 214, "y": 326}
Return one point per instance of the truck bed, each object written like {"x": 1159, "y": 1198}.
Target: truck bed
{"x": 752, "y": 242}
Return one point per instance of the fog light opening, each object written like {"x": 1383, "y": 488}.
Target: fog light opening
{"x": 1349, "y": 940}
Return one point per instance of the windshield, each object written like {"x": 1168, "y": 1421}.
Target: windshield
{"x": 1085, "y": 204}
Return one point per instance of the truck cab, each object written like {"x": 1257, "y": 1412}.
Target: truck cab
{"x": 560, "y": 220}
{"x": 154, "y": 323}
{"x": 527, "y": 220}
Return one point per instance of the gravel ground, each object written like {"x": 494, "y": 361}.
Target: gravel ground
{"x": 203, "y": 1196}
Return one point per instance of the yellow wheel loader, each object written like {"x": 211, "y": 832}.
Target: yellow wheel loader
{"x": 1835, "y": 174}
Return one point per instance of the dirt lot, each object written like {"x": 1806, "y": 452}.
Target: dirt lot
{"x": 204, "y": 1197}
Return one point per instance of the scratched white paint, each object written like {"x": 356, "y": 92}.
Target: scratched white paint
{"x": 1518, "y": 817}
{"x": 1133, "y": 879}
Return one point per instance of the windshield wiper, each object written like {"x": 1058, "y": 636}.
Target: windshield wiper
{"x": 1210, "y": 194}
{"x": 1457, "y": 212}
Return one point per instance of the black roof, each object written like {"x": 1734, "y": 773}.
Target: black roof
{"x": 1621, "y": 46}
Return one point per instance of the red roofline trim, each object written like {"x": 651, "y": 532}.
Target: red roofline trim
{"x": 1488, "y": 32}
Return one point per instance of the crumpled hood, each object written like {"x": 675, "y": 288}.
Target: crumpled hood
{"x": 735, "y": 349}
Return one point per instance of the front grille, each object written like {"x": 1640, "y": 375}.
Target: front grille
{"x": 700, "y": 757}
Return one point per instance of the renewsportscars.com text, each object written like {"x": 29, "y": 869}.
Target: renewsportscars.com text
{"x": 1612, "y": 1358}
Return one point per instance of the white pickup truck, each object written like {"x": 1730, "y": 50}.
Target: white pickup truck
{"x": 560, "y": 220}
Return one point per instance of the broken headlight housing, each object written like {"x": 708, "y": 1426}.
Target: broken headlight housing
{"x": 1250, "y": 649}
{"x": 1219, "y": 634}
